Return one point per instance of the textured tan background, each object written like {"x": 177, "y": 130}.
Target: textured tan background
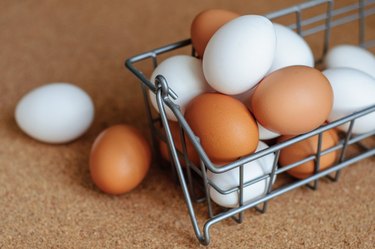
{"x": 47, "y": 199}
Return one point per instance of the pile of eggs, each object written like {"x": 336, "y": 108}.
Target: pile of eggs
{"x": 251, "y": 80}
{"x": 254, "y": 80}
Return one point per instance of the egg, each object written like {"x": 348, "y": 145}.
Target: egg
{"x": 205, "y": 24}
{"x": 292, "y": 100}
{"x": 244, "y": 97}
{"x": 119, "y": 160}
{"x": 265, "y": 134}
{"x": 305, "y": 148}
{"x": 239, "y": 54}
{"x": 55, "y": 113}
{"x": 191, "y": 152}
{"x": 291, "y": 49}
{"x": 224, "y": 125}
{"x": 354, "y": 90}
{"x": 351, "y": 56}
{"x": 266, "y": 162}
{"x": 231, "y": 179}
{"x": 184, "y": 76}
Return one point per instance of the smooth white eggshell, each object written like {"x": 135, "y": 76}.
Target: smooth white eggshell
{"x": 184, "y": 76}
{"x": 362, "y": 125}
{"x": 265, "y": 134}
{"x": 352, "y": 57}
{"x": 230, "y": 179}
{"x": 239, "y": 54}
{"x": 245, "y": 97}
{"x": 55, "y": 113}
{"x": 266, "y": 162}
{"x": 291, "y": 49}
{"x": 353, "y": 91}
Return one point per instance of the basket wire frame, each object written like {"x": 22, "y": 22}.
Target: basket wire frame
{"x": 189, "y": 183}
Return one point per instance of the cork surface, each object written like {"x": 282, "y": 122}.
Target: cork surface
{"x": 47, "y": 199}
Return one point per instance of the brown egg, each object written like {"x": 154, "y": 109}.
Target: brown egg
{"x": 120, "y": 158}
{"x": 292, "y": 100}
{"x": 224, "y": 125}
{"x": 205, "y": 24}
{"x": 192, "y": 153}
{"x": 305, "y": 148}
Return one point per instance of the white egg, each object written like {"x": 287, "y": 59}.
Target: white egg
{"x": 266, "y": 162}
{"x": 291, "y": 49}
{"x": 265, "y": 134}
{"x": 239, "y": 54}
{"x": 352, "y": 57}
{"x": 55, "y": 113}
{"x": 230, "y": 179}
{"x": 353, "y": 91}
{"x": 245, "y": 97}
{"x": 184, "y": 76}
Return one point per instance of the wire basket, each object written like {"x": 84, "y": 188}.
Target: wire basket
{"x": 193, "y": 178}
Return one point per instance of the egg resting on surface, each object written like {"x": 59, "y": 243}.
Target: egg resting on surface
{"x": 55, "y": 113}
{"x": 231, "y": 178}
{"x": 224, "y": 125}
{"x": 350, "y": 56}
{"x": 306, "y": 148}
{"x": 292, "y": 100}
{"x": 119, "y": 160}
{"x": 354, "y": 90}
{"x": 205, "y": 24}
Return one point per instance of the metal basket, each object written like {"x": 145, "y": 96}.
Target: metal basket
{"x": 193, "y": 176}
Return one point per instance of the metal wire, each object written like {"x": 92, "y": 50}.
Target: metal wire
{"x": 165, "y": 98}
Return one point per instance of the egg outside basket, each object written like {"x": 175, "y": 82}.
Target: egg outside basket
{"x": 193, "y": 178}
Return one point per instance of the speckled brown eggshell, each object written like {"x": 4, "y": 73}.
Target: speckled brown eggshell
{"x": 224, "y": 125}
{"x": 205, "y": 24}
{"x": 119, "y": 160}
{"x": 292, "y": 100}
{"x": 305, "y": 148}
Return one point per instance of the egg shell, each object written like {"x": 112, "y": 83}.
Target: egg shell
{"x": 55, "y": 113}
{"x": 245, "y": 97}
{"x": 239, "y": 54}
{"x": 205, "y": 24}
{"x": 354, "y": 90}
{"x": 230, "y": 179}
{"x": 266, "y": 162}
{"x": 184, "y": 76}
{"x": 224, "y": 126}
{"x": 265, "y": 134}
{"x": 119, "y": 160}
{"x": 305, "y": 148}
{"x": 292, "y": 100}
{"x": 351, "y": 56}
{"x": 291, "y": 49}
{"x": 191, "y": 152}
{"x": 362, "y": 125}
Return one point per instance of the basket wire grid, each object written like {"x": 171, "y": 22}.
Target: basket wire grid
{"x": 196, "y": 175}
